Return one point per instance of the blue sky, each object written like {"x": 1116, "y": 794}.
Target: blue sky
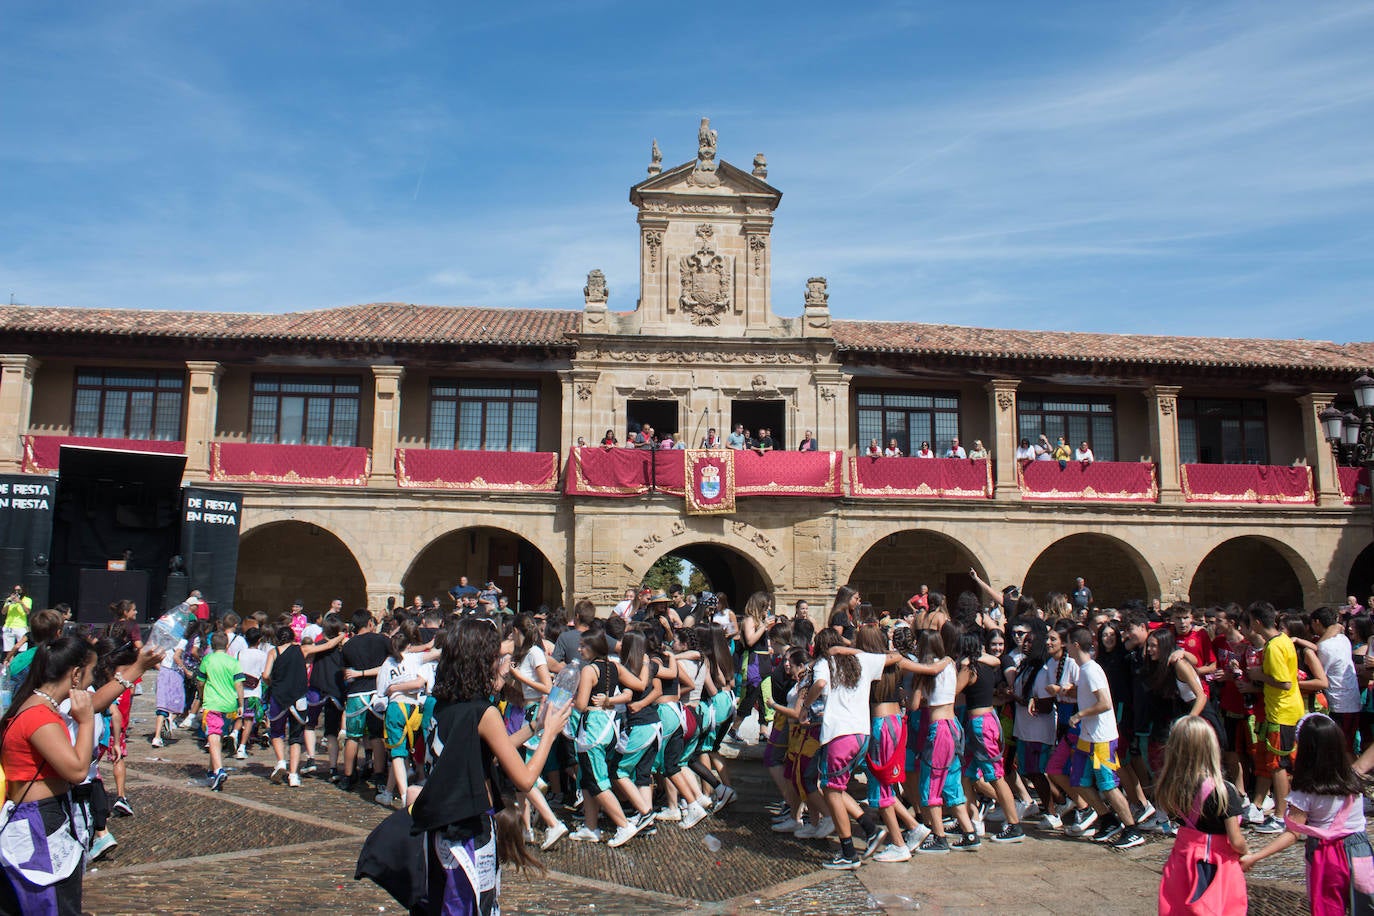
{"x": 1174, "y": 168}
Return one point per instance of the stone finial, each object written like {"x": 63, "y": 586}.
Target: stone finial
{"x": 817, "y": 295}
{"x": 704, "y": 174}
{"x": 595, "y": 292}
{"x": 655, "y": 159}
{"x": 760, "y": 166}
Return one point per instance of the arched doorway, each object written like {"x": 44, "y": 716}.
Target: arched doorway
{"x": 282, "y": 561}
{"x": 722, "y": 569}
{"x": 896, "y": 567}
{"x": 518, "y": 568}
{"x": 1360, "y": 582}
{"x": 1246, "y": 569}
{"x": 1113, "y": 570}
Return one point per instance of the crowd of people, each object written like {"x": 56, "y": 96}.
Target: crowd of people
{"x": 922, "y": 730}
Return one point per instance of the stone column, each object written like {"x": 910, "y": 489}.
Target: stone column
{"x": 16, "y": 402}
{"x": 1326, "y": 481}
{"x": 1002, "y": 409}
{"x": 832, "y": 412}
{"x": 202, "y": 414}
{"x": 1163, "y": 416}
{"x": 386, "y": 423}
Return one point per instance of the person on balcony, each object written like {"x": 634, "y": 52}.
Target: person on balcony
{"x": 892, "y": 450}
{"x": 1025, "y": 451}
{"x": 609, "y": 440}
{"x": 737, "y": 439}
{"x": 808, "y": 443}
{"x": 978, "y": 451}
{"x": 1062, "y": 453}
{"x": 667, "y": 442}
{"x": 955, "y": 450}
{"x": 925, "y": 451}
{"x": 712, "y": 439}
{"x": 764, "y": 443}
{"x": 874, "y": 450}
{"x": 1083, "y": 454}
{"x": 1043, "y": 450}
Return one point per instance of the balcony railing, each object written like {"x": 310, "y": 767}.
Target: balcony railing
{"x": 1247, "y": 483}
{"x": 318, "y": 465}
{"x": 441, "y": 469}
{"x": 1094, "y": 481}
{"x": 874, "y": 477}
{"x": 1355, "y": 486}
{"x": 42, "y": 453}
{"x": 623, "y": 472}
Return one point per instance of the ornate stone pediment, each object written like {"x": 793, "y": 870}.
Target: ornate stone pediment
{"x": 707, "y": 281}
{"x": 674, "y": 189}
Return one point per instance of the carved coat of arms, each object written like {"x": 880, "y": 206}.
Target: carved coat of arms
{"x": 706, "y": 282}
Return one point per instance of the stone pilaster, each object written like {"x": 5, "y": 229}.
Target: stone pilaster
{"x": 1163, "y": 418}
{"x": 386, "y": 423}
{"x": 1325, "y": 477}
{"x": 1002, "y": 409}
{"x": 16, "y": 402}
{"x": 202, "y": 414}
{"x": 832, "y": 411}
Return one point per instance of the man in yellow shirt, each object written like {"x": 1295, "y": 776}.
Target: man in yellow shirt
{"x": 1277, "y": 674}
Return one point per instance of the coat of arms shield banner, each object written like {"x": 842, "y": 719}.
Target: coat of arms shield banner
{"x": 710, "y": 479}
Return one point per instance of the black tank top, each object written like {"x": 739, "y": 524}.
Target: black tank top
{"x": 649, "y": 714}
{"x": 978, "y": 692}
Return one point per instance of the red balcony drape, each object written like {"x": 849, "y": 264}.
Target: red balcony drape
{"x": 906, "y": 478}
{"x": 319, "y": 465}
{"x": 41, "y": 453}
{"x": 1246, "y": 483}
{"x": 447, "y": 469}
{"x": 1097, "y": 481}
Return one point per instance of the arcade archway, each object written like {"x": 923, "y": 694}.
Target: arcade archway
{"x": 1360, "y": 582}
{"x": 896, "y": 567}
{"x": 282, "y": 561}
{"x": 1246, "y": 569}
{"x": 1114, "y": 570}
{"x": 725, "y": 570}
{"x": 484, "y": 553}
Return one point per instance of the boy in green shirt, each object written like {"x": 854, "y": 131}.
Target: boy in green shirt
{"x": 222, "y": 702}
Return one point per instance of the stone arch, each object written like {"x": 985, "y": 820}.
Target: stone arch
{"x": 894, "y": 567}
{"x": 284, "y": 559}
{"x": 484, "y": 552}
{"x": 728, "y": 568}
{"x": 1360, "y": 580}
{"x": 1252, "y": 567}
{"x": 1113, "y": 569}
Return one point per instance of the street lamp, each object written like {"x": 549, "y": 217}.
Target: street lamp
{"x": 1351, "y": 434}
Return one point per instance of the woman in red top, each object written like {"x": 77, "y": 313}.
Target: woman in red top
{"x": 39, "y": 851}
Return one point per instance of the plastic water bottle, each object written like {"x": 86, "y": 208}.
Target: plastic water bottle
{"x": 563, "y": 691}
{"x": 171, "y": 628}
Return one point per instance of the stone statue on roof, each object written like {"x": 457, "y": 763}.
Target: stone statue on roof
{"x": 704, "y": 174}
{"x": 655, "y": 159}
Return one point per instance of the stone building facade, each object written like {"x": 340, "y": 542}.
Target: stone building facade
{"x": 704, "y": 347}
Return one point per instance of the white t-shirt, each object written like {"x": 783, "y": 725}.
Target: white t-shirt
{"x": 393, "y": 671}
{"x": 622, "y": 610}
{"x": 253, "y": 661}
{"x": 1343, "y": 686}
{"x": 1101, "y": 728}
{"x": 692, "y": 669}
{"x": 1321, "y": 810}
{"x": 529, "y": 668}
{"x": 1040, "y": 727}
{"x": 169, "y": 659}
{"x": 846, "y": 708}
{"x": 236, "y": 645}
{"x": 312, "y": 632}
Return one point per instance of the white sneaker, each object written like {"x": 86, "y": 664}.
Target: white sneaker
{"x": 724, "y": 795}
{"x": 294, "y": 780}
{"x": 826, "y": 828}
{"x": 916, "y": 836}
{"x": 1027, "y": 811}
{"x": 622, "y": 836}
{"x": 1051, "y": 822}
{"x": 669, "y": 814}
{"x": 693, "y": 815}
{"x": 978, "y": 826}
{"x": 279, "y": 772}
{"x": 895, "y": 852}
{"x": 1253, "y": 815}
{"x": 157, "y": 742}
{"x": 1268, "y": 806}
{"x": 241, "y": 753}
{"x": 553, "y": 835}
{"x": 787, "y": 826}
{"x": 188, "y": 721}
{"x": 585, "y": 834}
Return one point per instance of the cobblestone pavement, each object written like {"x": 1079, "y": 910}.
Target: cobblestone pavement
{"x": 258, "y": 848}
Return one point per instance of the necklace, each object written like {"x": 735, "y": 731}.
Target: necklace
{"x": 51, "y": 701}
